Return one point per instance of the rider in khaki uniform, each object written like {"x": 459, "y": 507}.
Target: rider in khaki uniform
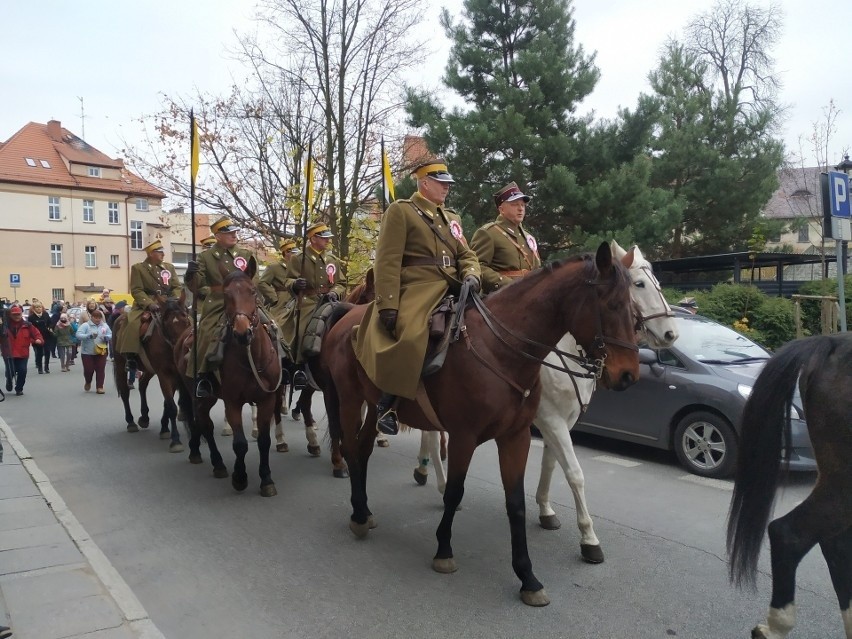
{"x": 207, "y": 242}
{"x": 311, "y": 276}
{"x": 421, "y": 257}
{"x": 506, "y": 251}
{"x": 273, "y": 283}
{"x": 204, "y": 277}
{"x": 150, "y": 277}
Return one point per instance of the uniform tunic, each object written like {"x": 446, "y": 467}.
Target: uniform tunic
{"x": 323, "y": 275}
{"x": 209, "y": 282}
{"x": 275, "y": 290}
{"x": 394, "y": 363}
{"x": 504, "y": 252}
{"x": 146, "y": 280}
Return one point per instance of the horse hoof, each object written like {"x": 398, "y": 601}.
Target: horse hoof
{"x": 382, "y": 443}
{"x": 254, "y": 433}
{"x": 444, "y": 566}
{"x": 239, "y": 486}
{"x": 296, "y": 416}
{"x": 175, "y": 447}
{"x": 536, "y": 598}
{"x": 419, "y": 477}
{"x": 220, "y": 473}
{"x": 592, "y": 554}
{"x": 549, "y": 522}
{"x": 268, "y": 490}
{"x": 195, "y": 459}
{"x": 282, "y": 448}
{"x": 144, "y": 422}
{"x": 371, "y": 522}
{"x": 165, "y": 434}
{"x": 314, "y": 451}
{"x": 340, "y": 473}
{"x": 227, "y": 431}
{"x": 132, "y": 428}
{"x": 360, "y": 530}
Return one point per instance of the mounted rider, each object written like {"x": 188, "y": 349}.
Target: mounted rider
{"x": 150, "y": 278}
{"x": 421, "y": 257}
{"x": 505, "y": 249}
{"x": 273, "y": 283}
{"x": 313, "y": 278}
{"x": 204, "y": 278}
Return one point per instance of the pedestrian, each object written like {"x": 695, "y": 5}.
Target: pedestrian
{"x": 421, "y": 257}
{"x": 64, "y": 344}
{"x": 505, "y": 249}
{"x": 19, "y": 336}
{"x": 94, "y": 337}
{"x": 91, "y": 305}
{"x": 75, "y": 343}
{"x": 40, "y": 318}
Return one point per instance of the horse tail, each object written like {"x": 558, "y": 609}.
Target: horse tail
{"x": 765, "y": 428}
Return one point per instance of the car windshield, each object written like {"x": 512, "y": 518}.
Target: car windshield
{"x": 706, "y": 341}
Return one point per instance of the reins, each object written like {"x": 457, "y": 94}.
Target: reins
{"x": 253, "y": 322}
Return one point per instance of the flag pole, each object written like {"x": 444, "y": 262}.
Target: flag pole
{"x": 309, "y": 176}
{"x": 384, "y": 180}
{"x": 193, "y": 172}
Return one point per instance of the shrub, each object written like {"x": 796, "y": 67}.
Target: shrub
{"x": 811, "y": 313}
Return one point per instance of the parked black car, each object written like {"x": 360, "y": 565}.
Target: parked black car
{"x": 690, "y": 398}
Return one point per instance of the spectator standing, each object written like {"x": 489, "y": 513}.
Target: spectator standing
{"x": 64, "y": 343}
{"x": 74, "y": 341}
{"x": 40, "y": 318}
{"x": 91, "y": 305}
{"x": 94, "y": 336}
{"x": 19, "y": 336}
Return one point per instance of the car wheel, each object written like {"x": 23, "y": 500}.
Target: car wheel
{"x": 706, "y": 445}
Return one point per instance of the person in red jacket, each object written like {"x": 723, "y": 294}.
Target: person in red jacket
{"x": 19, "y": 336}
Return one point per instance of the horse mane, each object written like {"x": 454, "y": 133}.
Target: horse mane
{"x": 233, "y": 275}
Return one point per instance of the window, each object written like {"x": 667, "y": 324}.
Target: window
{"x": 58, "y": 293}
{"x": 45, "y": 164}
{"x": 135, "y": 234}
{"x": 805, "y": 233}
{"x": 112, "y": 207}
{"x": 94, "y": 171}
{"x": 30, "y": 162}
{"x": 91, "y": 257}
{"x": 52, "y": 208}
{"x": 56, "y": 255}
{"x": 113, "y": 261}
{"x": 88, "y": 210}
{"x": 141, "y": 204}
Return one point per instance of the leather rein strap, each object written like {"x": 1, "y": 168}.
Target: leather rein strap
{"x": 253, "y": 322}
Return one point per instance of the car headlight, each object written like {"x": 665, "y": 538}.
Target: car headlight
{"x": 744, "y": 390}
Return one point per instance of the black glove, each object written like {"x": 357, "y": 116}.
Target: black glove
{"x": 332, "y": 296}
{"x": 300, "y": 284}
{"x": 154, "y": 308}
{"x": 192, "y": 267}
{"x": 387, "y": 316}
{"x": 474, "y": 283}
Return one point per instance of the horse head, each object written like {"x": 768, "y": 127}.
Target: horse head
{"x": 240, "y": 295}
{"x": 654, "y": 317}
{"x": 174, "y": 317}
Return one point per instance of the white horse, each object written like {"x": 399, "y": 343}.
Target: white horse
{"x": 560, "y": 405}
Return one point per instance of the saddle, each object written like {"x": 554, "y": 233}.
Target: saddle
{"x": 146, "y": 326}
{"x": 440, "y": 328}
{"x": 314, "y": 331}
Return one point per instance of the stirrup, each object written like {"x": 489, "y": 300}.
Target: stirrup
{"x": 204, "y": 388}
{"x": 388, "y": 422}
{"x": 300, "y": 380}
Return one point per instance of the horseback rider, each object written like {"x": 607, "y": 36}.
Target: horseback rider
{"x": 208, "y": 242}
{"x": 148, "y": 278}
{"x": 273, "y": 283}
{"x": 204, "y": 278}
{"x": 313, "y": 278}
{"x": 505, "y": 249}
{"x": 421, "y": 257}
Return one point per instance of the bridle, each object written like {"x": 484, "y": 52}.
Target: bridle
{"x": 246, "y": 339}
{"x": 641, "y": 319}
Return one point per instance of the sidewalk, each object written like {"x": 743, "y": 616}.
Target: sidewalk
{"x": 54, "y": 581}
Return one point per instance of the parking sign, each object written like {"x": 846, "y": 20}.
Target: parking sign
{"x": 15, "y": 279}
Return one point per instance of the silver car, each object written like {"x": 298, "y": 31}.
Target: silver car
{"x": 690, "y": 398}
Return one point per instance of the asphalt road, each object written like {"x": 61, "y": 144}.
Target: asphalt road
{"x": 206, "y": 561}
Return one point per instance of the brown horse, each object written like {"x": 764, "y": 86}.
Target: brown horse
{"x": 489, "y": 385}
{"x": 822, "y": 366}
{"x": 250, "y": 373}
{"x": 155, "y": 359}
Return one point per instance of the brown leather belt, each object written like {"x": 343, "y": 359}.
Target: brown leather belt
{"x": 307, "y": 292}
{"x": 520, "y": 273}
{"x": 413, "y": 260}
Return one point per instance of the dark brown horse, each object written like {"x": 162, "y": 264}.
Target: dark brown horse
{"x": 250, "y": 373}
{"x": 822, "y": 366}
{"x": 155, "y": 359}
{"x": 489, "y": 386}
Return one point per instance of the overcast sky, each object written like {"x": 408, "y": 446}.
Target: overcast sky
{"x": 120, "y": 56}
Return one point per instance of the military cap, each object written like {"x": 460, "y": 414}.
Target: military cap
{"x": 510, "y": 193}
{"x": 287, "y": 244}
{"x": 156, "y": 245}
{"x": 223, "y": 225}
{"x": 320, "y": 230}
{"x": 208, "y": 241}
{"x": 435, "y": 169}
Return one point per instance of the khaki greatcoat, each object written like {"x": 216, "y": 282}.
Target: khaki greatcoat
{"x": 323, "y": 274}
{"x": 208, "y": 283}
{"x": 275, "y": 290}
{"x": 504, "y": 251}
{"x": 146, "y": 281}
{"x": 394, "y": 362}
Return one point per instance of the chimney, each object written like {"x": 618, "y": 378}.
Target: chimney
{"x": 54, "y": 130}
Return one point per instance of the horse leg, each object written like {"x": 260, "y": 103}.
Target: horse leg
{"x": 187, "y": 410}
{"x": 837, "y": 551}
{"x": 382, "y": 440}
{"x": 459, "y": 462}
{"x": 144, "y": 420}
{"x": 278, "y": 410}
{"x": 233, "y": 413}
{"x": 357, "y": 449}
{"x": 124, "y": 393}
{"x": 421, "y": 472}
{"x": 558, "y": 447}
{"x": 170, "y": 411}
{"x": 443, "y": 446}
{"x": 304, "y": 406}
{"x": 254, "y": 431}
{"x": 438, "y": 441}
{"x": 265, "y": 410}
{"x": 220, "y": 471}
{"x": 513, "y": 450}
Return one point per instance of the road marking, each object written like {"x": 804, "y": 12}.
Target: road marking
{"x": 721, "y": 484}
{"x": 618, "y": 461}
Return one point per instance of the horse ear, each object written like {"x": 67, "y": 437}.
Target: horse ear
{"x": 628, "y": 257}
{"x": 617, "y": 251}
{"x": 251, "y": 267}
{"x": 370, "y": 279}
{"x": 603, "y": 259}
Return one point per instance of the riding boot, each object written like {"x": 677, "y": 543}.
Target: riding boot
{"x": 205, "y": 385}
{"x": 300, "y": 380}
{"x": 130, "y": 362}
{"x": 388, "y": 422}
